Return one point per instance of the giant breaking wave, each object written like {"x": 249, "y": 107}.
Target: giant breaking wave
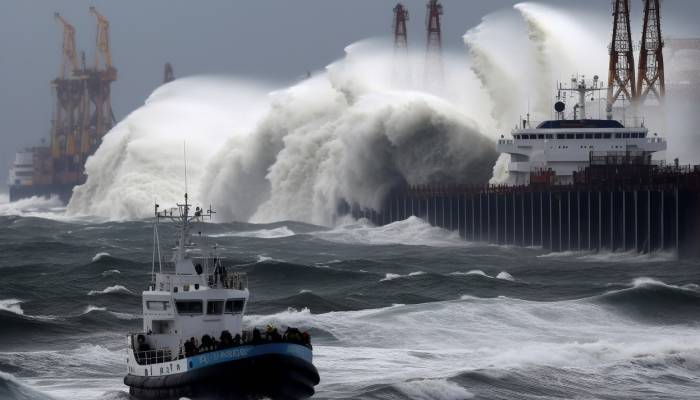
{"x": 365, "y": 126}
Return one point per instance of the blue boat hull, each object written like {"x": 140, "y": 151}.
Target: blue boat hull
{"x": 276, "y": 371}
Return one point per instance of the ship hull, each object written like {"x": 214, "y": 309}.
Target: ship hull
{"x": 276, "y": 371}
{"x": 63, "y": 192}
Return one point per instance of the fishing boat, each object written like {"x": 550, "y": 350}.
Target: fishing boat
{"x": 193, "y": 344}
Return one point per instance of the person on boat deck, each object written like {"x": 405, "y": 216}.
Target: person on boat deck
{"x": 190, "y": 347}
{"x": 256, "y": 336}
{"x": 208, "y": 343}
{"x": 225, "y": 340}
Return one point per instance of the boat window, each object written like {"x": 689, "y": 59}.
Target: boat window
{"x": 234, "y": 306}
{"x": 560, "y": 136}
{"x": 569, "y": 135}
{"x": 579, "y": 136}
{"x": 642, "y": 135}
{"x": 598, "y": 135}
{"x": 626, "y": 135}
{"x": 189, "y": 306}
{"x": 607, "y": 136}
{"x": 215, "y": 307}
{"x": 549, "y": 136}
{"x": 158, "y": 305}
{"x": 589, "y": 136}
{"x": 618, "y": 135}
{"x": 540, "y": 136}
{"x": 634, "y": 135}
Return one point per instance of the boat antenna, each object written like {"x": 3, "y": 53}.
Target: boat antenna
{"x": 184, "y": 152}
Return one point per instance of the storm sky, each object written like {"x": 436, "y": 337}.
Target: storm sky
{"x": 273, "y": 40}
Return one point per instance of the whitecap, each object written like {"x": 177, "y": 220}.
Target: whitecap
{"x": 90, "y": 308}
{"x": 110, "y": 289}
{"x": 274, "y": 233}
{"x": 100, "y": 256}
{"x": 505, "y": 276}
{"x": 12, "y": 305}
{"x": 390, "y": 276}
{"x": 412, "y": 231}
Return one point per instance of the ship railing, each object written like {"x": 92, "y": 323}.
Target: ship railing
{"x": 156, "y": 356}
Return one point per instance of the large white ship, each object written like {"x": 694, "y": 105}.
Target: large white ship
{"x": 555, "y": 150}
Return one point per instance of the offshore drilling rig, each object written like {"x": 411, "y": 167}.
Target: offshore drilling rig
{"x": 648, "y": 86}
{"x": 581, "y": 193}
{"x": 82, "y": 114}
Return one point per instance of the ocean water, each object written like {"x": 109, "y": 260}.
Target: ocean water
{"x": 405, "y": 311}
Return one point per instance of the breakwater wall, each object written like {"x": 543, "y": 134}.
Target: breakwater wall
{"x": 664, "y": 216}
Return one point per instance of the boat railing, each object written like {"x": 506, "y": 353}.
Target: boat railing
{"x": 156, "y": 356}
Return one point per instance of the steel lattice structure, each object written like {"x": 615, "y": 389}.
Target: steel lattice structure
{"x": 621, "y": 76}
{"x": 651, "y": 80}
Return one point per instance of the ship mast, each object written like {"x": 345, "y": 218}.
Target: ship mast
{"x": 580, "y": 87}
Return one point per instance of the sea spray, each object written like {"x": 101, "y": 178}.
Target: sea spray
{"x": 141, "y": 160}
{"x": 348, "y": 135}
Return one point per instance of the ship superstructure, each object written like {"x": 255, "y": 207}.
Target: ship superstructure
{"x": 556, "y": 150}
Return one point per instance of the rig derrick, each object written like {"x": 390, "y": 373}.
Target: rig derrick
{"x": 651, "y": 79}
{"x": 433, "y": 56}
{"x": 399, "y": 27}
{"x": 621, "y": 77}
{"x": 69, "y": 115}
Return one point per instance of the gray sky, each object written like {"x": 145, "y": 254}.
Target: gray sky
{"x": 277, "y": 40}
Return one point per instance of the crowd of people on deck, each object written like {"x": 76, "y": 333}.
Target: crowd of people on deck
{"x": 226, "y": 340}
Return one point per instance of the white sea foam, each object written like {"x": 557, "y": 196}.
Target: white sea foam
{"x": 100, "y": 256}
{"x": 274, "y": 233}
{"x": 109, "y": 290}
{"x": 12, "y": 305}
{"x": 391, "y": 277}
{"x": 438, "y": 340}
{"x": 412, "y": 231}
{"x": 473, "y": 272}
{"x": 125, "y": 316}
{"x": 90, "y": 308}
{"x": 433, "y": 389}
{"x": 33, "y": 207}
{"x": 613, "y": 257}
{"x": 111, "y": 272}
{"x": 477, "y": 272}
{"x": 505, "y": 276}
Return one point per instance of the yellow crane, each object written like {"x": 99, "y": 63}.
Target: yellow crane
{"x": 70, "y": 56}
{"x": 102, "y": 40}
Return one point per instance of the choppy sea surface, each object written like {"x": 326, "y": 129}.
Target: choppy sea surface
{"x": 405, "y": 311}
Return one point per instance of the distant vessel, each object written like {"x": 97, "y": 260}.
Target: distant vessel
{"x": 192, "y": 342}
{"x": 31, "y": 175}
{"x": 556, "y": 150}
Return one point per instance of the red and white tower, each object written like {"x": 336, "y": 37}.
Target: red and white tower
{"x": 433, "y": 56}
{"x": 621, "y": 81}
{"x": 399, "y": 26}
{"x": 651, "y": 80}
